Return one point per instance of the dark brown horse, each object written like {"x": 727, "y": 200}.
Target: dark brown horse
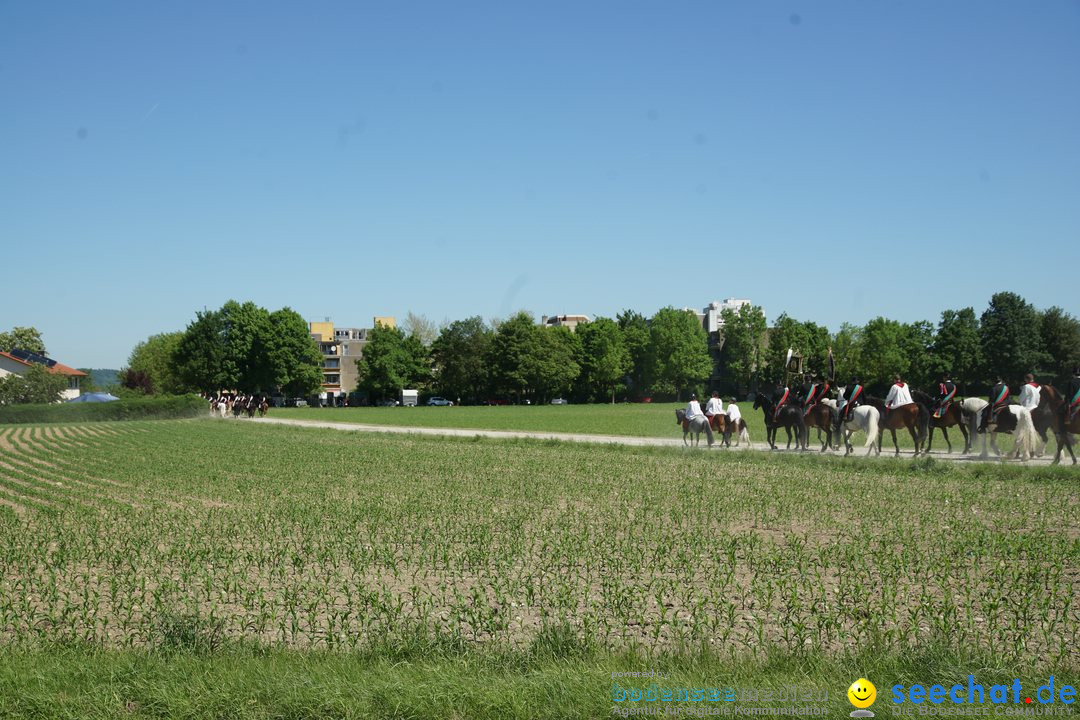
{"x": 822, "y": 417}
{"x": 788, "y": 417}
{"x": 914, "y": 416}
{"x": 953, "y": 416}
{"x": 1065, "y": 429}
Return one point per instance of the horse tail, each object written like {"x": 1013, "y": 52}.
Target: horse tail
{"x": 871, "y": 426}
{"x": 744, "y": 432}
{"x": 1025, "y": 435}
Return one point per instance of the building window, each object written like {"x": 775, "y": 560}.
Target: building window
{"x": 333, "y": 364}
{"x": 331, "y": 379}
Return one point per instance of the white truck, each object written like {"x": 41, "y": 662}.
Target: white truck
{"x": 409, "y": 398}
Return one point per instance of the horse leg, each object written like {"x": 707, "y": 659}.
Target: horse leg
{"x": 915, "y": 439}
{"x": 895, "y": 444}
{"x": 945, "y": 432}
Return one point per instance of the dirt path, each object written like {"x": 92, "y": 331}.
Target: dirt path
{"x": 606, "y": 439}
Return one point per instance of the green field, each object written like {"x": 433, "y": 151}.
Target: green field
{"x": 212, "y": 538}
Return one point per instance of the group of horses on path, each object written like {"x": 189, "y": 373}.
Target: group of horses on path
{"x": 720, "y": 423}
{"x": 920, "y": 418}
{"x": 226, "y": 403}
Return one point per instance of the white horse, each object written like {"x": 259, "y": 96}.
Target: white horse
{"x": 972, "y": 409}
{"x": 864, "y": 417}
{"x": 1024, "y": 435}
{"x": 222, "y": 407}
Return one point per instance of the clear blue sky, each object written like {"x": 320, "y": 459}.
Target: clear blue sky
{"x": 460, "y": 158}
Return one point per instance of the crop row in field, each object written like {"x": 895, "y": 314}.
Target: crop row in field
{"x": 201, "y": 532}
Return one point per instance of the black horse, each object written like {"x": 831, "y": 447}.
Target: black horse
{"x": 952, "y": 416}
{"x": 789, "y": 416}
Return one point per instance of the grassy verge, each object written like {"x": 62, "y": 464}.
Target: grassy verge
{"x": 547, "y": 681}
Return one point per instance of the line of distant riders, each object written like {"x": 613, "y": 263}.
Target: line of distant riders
{"x": 224, "y": 404}
{"x": 840, "y": 413}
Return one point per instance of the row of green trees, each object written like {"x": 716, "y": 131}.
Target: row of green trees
{"x": 1009, "y": 339}
{"x": 518, "y": 360}
{"x": 668, "y": 355}
{"x": 240, "y": 346}
{"x": 245, "y": 347}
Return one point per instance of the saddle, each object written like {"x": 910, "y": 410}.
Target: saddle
{"x": 940, "y": 412}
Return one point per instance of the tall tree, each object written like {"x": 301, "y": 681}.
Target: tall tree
{"x": 154, "y": 358}
{"x": 420, "y": 327}
{"x": 23, "y": 338}
{"x": 680, "y": 351}
{"x": 1011, "y": 337}
{"x": 847, "y": 353}
{"x": 957, "y": 348}
{"x": 391, "y": 363}
{"x": 460, "y": 354}
{"x": 638, "y": 342}
{"x": 516, "y": 340}
{"x": 605, "y": 357}
{"x": 916, "y": 342}
{"x": 552, "y": 367}
{"x": 1061, "y": 341}
{"x": 295, "y": 362}
{"x": 744, "y": 338}
{"x": 243, "y": 347}
{"x": 883, "y": 352}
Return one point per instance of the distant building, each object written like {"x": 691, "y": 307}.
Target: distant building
{"x": 341, "y": 348}
{"x": 568, "y": 321}
{"x": 17, "y": 362}
{"x": 385, "y": 321}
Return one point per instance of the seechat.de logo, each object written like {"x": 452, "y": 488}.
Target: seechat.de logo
{"x": 862, "y": 694}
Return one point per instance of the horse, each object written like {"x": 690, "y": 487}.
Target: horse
{"x": 788, "y": 417}
{"x": 221, "y": 405}
{"x": 953, "y": 416}
{"x": 264, "y": 407}
{"x": 696, "y": 426}
{"x": 823, "y": 417}
{"x": 971, "y": 408}
{"x": 914, "y": 416}
{"x": 723, "y": 425}
{"x": 1045, "y": 415}
{"x": 863, "y": 417}
{"x": 251, "y": 406}
{"x": 1065, "y": 428}
{"x": 1017, "y": 420}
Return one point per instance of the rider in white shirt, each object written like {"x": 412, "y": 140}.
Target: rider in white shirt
{"x": 715, "y": 406}
{"x": 733, "y": 413}
{"x": 1031, "y": 393}
{"x": 693, "y": 410}
{"x": 899, "y": 394}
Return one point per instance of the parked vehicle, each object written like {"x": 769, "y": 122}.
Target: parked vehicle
{"x": 560, "y": 401}
{"x": 440, "y": 401}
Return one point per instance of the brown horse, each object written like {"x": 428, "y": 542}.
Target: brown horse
{"x": 914, "y": 416}
{"x": 1065, "y": 429}
{"x": 1045, "y": 416}
{"x": 722, "y": 425}
{"x": 953, "y": 416}
{"x": 822, "y": 417}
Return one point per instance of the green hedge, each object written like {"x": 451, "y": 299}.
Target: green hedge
{"x": 148, "y": 408}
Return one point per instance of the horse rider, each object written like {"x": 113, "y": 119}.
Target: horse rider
{"x": 715, "y": 406}
{"x": 1072, "y": 392}
{"x": 1030, "y": 393}
{"x": 693, "y": 411}
{"x": 855, "y": 399}
{"x": 899, "y": 395}
{"x": 782, "y": 396}
{"x": 999, "y": 398}
{"x": 812, "y": 392}
{"x": 946, "y": 393}
{"x": 734, "y": 415}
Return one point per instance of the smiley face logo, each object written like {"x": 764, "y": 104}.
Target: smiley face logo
{"x": 862, "y": 693}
